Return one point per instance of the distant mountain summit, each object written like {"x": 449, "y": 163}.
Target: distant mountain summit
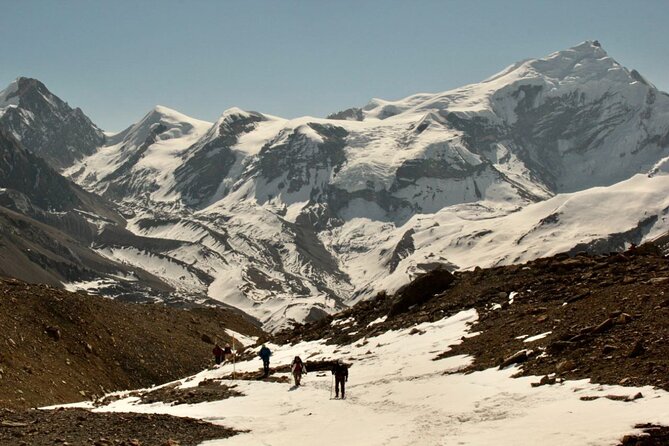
{"x": 575, "y": 119}
{"x": 46, "y": 125}
{"x": 134, "y": 161}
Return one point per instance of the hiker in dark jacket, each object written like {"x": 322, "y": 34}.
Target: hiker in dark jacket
{"x": 218, "y": 353}
{"x": 264, "y": 354}
{"x": 227, "y": 353}
{"x": 340, "y": 372}
{"x": 298, "y": 368}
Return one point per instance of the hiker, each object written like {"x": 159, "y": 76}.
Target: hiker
{"x": 227, "y": 353}
{"x": 340, "y": 372}
{"x": 298, "y": 368}
{"x": 264, "y": 354}
{"x": 218, "y": 354}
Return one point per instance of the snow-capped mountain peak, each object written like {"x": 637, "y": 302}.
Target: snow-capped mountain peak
{"x": 45, "y": 124}
{"x": 583, "y": 63}
{"x": 143, "y": 157}
{"x": 23, "y": 87}
{"x": 162, "y": 121}
{"x": 294, "y": 218}
{"x": 582, "y": 67}
{"x": 234, "y": 113}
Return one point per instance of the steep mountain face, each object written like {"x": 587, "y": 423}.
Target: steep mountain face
{"x": 48, "y": 225}
{"x": 45, "y": 124}
{"x": 207, "y": 163}
{"x": 32, "y": 187}
{"x": 292, "y": 219}
{"x": 30, "y": 175}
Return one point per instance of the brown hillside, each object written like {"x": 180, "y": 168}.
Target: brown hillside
{"x": 59, "y": 347}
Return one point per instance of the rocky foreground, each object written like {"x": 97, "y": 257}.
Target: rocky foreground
{"x": 601, "y": 317}
{"x": 83, "y": 427}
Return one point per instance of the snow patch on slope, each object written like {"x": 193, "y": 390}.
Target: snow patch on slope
{"x": 175, "y": 274}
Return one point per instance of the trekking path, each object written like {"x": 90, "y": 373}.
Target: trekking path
{"x": 398, "y": 395}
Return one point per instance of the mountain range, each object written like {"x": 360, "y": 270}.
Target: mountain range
{"x": 293, "y": 219}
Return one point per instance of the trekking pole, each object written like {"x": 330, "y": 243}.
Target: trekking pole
{"x": 234, "y": 358}
{"x": 331, "y": 386}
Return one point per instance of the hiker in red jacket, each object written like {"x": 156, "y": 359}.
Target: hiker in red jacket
{"x": 340, "y": 372}
{"x": 218, "y": 353}
{"x": 298, "y": 368}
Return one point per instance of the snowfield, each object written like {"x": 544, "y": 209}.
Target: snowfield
{"x": 398, "y": 395}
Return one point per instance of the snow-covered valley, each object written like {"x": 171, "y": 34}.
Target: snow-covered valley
{"x": 398, "y": 394}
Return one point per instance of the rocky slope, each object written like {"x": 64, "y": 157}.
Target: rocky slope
{"x": 48, "y": 223}
{"x": 60, "y": 347}
{"x": 29, "y": 181}
{"x": 83, "y": 428}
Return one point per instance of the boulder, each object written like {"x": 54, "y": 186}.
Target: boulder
{"x": 54, "y": 332}
{"x": 421, "y": 290}
{"x": 565, "y": 366}
{"x": 516, "y": 358}
{"x": 637, "y": 350}
{"x": 624, "y": 318}
{"x": 604, "y": 326}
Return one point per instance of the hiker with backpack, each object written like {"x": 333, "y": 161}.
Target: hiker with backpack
{"x": 340, "y": 372}
{"x": 218, "y": 354}
{"x": 227, "y": 353}
{"x": 298, "y": 368}
{"x": 264, "y": 354}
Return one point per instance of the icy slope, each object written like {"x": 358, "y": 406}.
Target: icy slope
{"x": 398, "y": 395}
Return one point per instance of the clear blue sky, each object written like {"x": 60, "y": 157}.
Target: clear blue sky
{"x": 117, "y": 59}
